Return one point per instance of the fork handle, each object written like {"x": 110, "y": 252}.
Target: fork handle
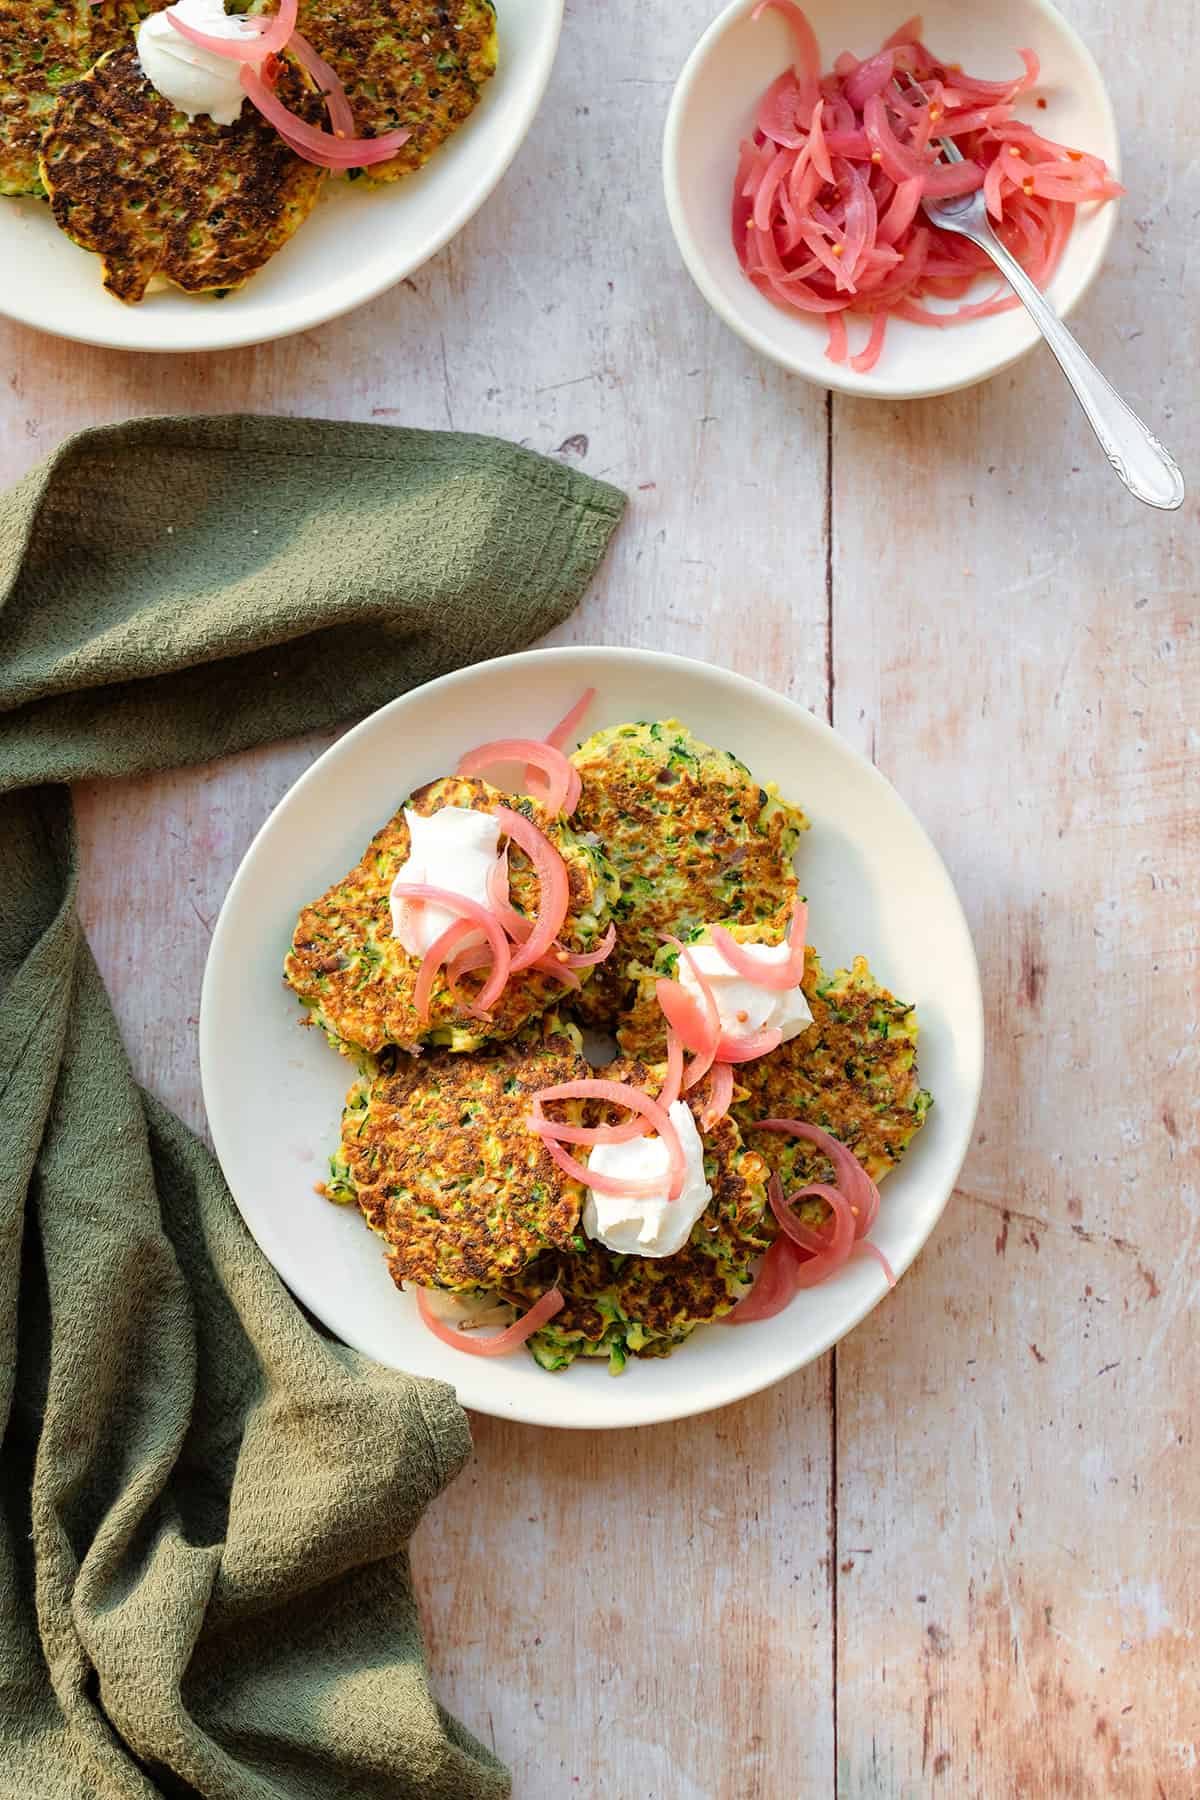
{"x": 1148, "y": 470}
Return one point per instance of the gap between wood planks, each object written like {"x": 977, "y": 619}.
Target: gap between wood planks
{"x": 833, "y": 1410}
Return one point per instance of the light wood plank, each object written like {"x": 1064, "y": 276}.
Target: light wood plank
{"x": 1018, "y": 1500}
{"x": 644, "y": 1613}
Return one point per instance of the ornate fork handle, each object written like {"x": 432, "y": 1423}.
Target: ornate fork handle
{"x": 1148, "y": 470}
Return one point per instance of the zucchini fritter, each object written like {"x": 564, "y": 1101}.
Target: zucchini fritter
{"x": 43, "y": 45}
{"x": 358, "y": 982}
{"x": 417, "y": 64}
{"x": 114, "y": 22}
{"x": 156, "y": 194}
{"x": 438, "y": 1153}
{"x": 689, "y": 831}
{"x": 621, "y": 1306}
{"x": 853, "y": 1072}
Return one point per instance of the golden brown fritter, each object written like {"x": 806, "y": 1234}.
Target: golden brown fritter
{"x": 114, "y": 22}
{"x": 156, "y": 194}
{"x": 619, "y": 1306}
{"x": 693, "y": 837}
{"x": 44, "y": 44}
{"x": 853, "y": 1072}
{"x": 415, "y": 64}
{"x": 438, "y": 1153}
{"x": 358, "y": 980}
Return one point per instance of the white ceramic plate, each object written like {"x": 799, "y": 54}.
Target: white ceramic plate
{"x": 357, "y": 242}
{"x": 274, "y": 1091}
{"x": 712, "y": 110}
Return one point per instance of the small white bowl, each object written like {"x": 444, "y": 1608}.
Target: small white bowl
{"x": 712, "y": 110}
{"x": 274, "y": 1093}
{"x": 359, "y": 240}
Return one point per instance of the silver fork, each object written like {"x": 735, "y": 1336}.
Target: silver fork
{"x": 1148, "y": 470}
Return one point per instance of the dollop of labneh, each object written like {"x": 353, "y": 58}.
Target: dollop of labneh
{"x": 746, "y": 1007}
{"x": 194, "y": 80}
{"x": 454, "y": 848}
{"x": 655, "y": 1226}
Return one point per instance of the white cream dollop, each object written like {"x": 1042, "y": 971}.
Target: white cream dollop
{"x": 194, "y": 80}
{"x": 745, "y": 1006}
{"x": 455, "y": 848}
{"x": 655, "y": 1226}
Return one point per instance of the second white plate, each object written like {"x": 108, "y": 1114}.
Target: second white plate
{"x": 358, "y": 241}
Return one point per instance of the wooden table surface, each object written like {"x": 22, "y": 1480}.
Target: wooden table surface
{"x": 958, "y": 1555}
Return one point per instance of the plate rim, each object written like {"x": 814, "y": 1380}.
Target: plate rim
{"x": 456, "y": 218}
{"x": 703, "y": 1399}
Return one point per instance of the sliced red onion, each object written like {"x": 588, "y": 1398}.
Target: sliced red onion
{"x": 615, "y": 1093}
{"x": 506, "y": 1341}
{"x": 480, "y": 916}
{"x": 272, "y": 35}
{"x": 721, "y": 1097}
{"x": 321, "y": 147}
{"x": 562, "y": 786}
{"x": 553, "y": 884}
{"x": 341, "y": 114}
{"x": 829, "y": 189}
{"x": 774, "y": 1286}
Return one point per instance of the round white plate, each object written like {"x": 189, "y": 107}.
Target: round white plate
{"x": 358, "y": 241}
{"x": 274, "y": 1091}
{"x": 712, "y": 110}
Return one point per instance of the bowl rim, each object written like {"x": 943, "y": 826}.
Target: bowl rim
{"x": 473, "y": 1388}
{"x": 297, "y": 317}
{"x": 836, "y": 376}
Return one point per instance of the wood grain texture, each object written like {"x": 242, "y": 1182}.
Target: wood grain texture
{"x": 982, "y": 1512}
{"x": 1015, "y": 1446}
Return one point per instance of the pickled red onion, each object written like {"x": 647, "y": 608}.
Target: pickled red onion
{"x": 271, "y": 38}
{"x": 554, "y": 886}
{"x": 778, "y": 977}
{"x": 562, "y": 788}
{"x": 774, "y": 1286}
{"x": 828, "y": 1251}
{"x": 550, "y": 1303}
{"x": 432, "y": 961}
{"x": 808, "y": 52}
{"x": 615, "y": 1093}
{"x": 634, "y": 1127}
{"x": 515, "y": 923}
{"x": 519, "y": 927}
{"x": 322, "y": 147}
{"x": 867, "y": 1248}
{"x": 552, "y": 965}
{"x": 852, "y": 1178}
{"x": 699, "y": 1025}
{"x": 587, "y": 959}
{"x": 565, "y": 729}
{"x": 685, "y": 1015}
{"x": 558, "y": 739}
{"x": 828, "y": 190}
{"x": 341, "y": 113}
{"x": 478, "y": 915}
{"x": 669, "y": 1092}
{"x": 721, "y": 1097}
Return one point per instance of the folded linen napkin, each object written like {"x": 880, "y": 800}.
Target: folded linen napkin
{"x": 204, "y": 1585}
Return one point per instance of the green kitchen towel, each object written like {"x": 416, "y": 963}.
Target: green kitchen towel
{"x": 204, "y": 1585}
